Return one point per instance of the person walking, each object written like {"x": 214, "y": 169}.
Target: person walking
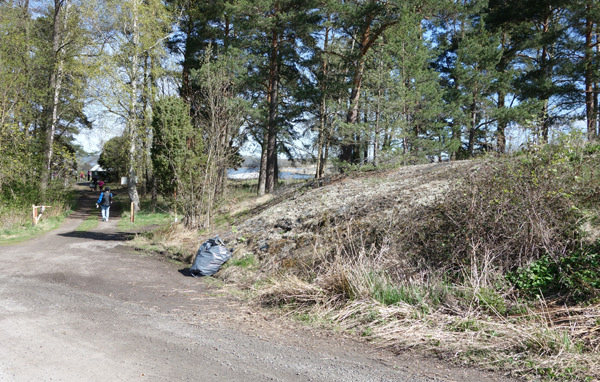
{"x": 100, "y": 184}
{"x": 104, "y": 201}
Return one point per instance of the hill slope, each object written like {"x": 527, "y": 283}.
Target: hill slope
{"x": 418, "y": 257}
{"x": 294, "y": 215}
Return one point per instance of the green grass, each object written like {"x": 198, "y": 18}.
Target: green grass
{"x": 388, "y": 293}
{"x": 22, "y": 233}
{"x": 144, "y": 218}
{"x": 88, "y": 224}
{"x": 246, "y": 261}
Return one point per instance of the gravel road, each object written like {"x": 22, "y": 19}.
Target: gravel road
{"x": 82, "y": 306}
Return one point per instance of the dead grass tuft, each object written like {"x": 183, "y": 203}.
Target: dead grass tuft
{"x": 173, "y": 240}
{"x": 292, "y": 292}
{"x": 529, "y": 344}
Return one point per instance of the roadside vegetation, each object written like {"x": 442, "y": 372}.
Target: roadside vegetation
{"x": 501, "y": 271}
{"x": 16, "y": 215}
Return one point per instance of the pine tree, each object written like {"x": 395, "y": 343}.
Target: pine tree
{"x": 363, "y": 23}
{"x": 412, "y": 114}
{"x": 273, "y": 32}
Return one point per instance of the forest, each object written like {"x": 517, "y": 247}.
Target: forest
{"x": 349, "y": 84}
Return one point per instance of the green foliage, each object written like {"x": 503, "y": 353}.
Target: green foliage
{"x": 15, "y": 209}
{"x": 507, "y": 213}
{"x": 179, "y": 159}
{"x": 115, "y": 155}
{"x": 246, "y": 261}
{"x": 491, "y": 301}
{"x": 575, "y": 276}
{"x": 174, "y": 143}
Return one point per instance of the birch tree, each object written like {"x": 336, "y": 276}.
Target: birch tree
{"x": 139, "y": 29}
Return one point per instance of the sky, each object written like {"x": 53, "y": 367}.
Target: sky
{"x": 105, "y": 127}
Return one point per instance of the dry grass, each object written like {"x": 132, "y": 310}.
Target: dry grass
{"x": 526, "y": 345}
{"x": 172, "y": 240}
{"x": 13, "y": 219}
{"x": 551, "y": 342}
{"x": 19, "y": 222}
{"x": 388, "y": 270}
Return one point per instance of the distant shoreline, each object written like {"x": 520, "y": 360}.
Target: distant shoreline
{"x": 247, "y": 173}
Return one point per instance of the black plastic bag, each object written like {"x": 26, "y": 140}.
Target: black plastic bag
{"x": 211, "y": 255}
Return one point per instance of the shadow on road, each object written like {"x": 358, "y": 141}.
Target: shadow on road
{"x": 106, "y": 236}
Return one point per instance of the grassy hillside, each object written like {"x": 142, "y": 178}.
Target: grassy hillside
{"x": 493, "y": 262}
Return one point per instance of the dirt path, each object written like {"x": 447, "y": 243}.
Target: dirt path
{"x": 82, "y": 306}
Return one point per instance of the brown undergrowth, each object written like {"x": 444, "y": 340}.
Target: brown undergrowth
{"x": 422, "y": 258}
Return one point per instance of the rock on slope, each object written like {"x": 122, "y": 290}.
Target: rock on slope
{"x": 289, "y": 221}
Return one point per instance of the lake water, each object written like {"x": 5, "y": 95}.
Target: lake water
{"x": 252, "y": 173}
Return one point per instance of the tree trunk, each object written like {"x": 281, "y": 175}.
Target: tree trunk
{"x": 321, "y": 141}
{"x": 501, "y": 132}
{"x": 502, "y": 123}
{"x": 146, "y": 141}
{"x": 349, "y": 147}
{"x": 272, "y": 176}
{"x": 262, "y": 175}
{"x": 186, "y": 82}
{"x": 545, "y": 69}
{"x": 326, "y": 152}
{"x": 545, "y": 127}
{"x": 377, "y": 130}
{"x": 61, "y": 8}
{"x": 473, "y": 126}
{"x": 133, "y": 123}
{"x": 590, "y": 105}
{"x": 596, "y": 86}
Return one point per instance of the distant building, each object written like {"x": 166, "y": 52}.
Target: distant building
{"x": 107, "y": 175}
{"x": 98, "y": 172}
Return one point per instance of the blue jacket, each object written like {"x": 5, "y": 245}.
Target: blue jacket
{"x": 102, "y": 197}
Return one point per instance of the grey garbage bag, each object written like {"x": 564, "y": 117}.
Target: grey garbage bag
{"x": 211, "y": 255}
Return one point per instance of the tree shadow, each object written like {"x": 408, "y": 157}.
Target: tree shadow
{"x": 102, "y": 236}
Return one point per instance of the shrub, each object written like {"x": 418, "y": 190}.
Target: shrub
{"x": 505, "y": 214}
{"x": 575, "y": 276}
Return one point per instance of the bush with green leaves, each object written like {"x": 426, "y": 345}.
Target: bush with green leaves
{"x": 178, "y": 158}
{"x": 509, "y": 213}
{"x": 575, "y": 276}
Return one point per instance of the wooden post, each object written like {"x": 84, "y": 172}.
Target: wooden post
{"x": 132, "y": 213}
{"x": 35, "y": 215}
